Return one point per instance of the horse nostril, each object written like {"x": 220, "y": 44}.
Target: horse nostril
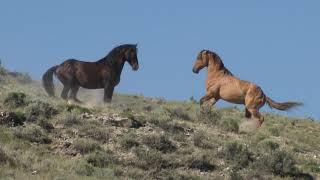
{"x": 195, "y": 70}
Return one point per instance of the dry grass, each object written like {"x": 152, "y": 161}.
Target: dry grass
{"x": 166, "y": 140}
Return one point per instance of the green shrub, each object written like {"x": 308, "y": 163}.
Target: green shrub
{"x": 22, "y": 78}
{"x": 3, "y": 71}
{"x": 236, "y": 176}
{"x": 173, "y": 175}
{"x": 201, "y": 162}
{"x": 32, "y": 134}
{"x": 171, "y": 127}
{"x": 83, "y": 168}
{"x": 12, "y": 119}
{"x": 274, "y": 131}
{"x": 118, "y": 171}
{"x": 15, "y": 100}
{"x": 159, "y": 142}
{"x": 278, "y": 163}
{"x": 150, "y": 159}
{"x": 167, "y": 124}
{"x": 259, "y": 137}
{"x": 147, "y": 108}
{"x": 94, "y": 132}
{"x": 313, "y": 167}
{"x": 230, "y": 124}
{"x": 135, "y": 173}
{"x": 238, "y": 154}
{"x": 45, "y": 125}
{"x": 84, "y": 145}
{"x": 201, "y": 139}
{"x": 101, "y": 159}
{"x": 127, "y": 114}
{"x": 75, "y": 108}
{"x": 209, "y": 115}
{"x": 133, "y": 122}
{"x": 178, "y": 113}
{"x": 39, "y": 109}
{"x": 268, "y": 145}
{"x": 3, "y": 157}
{"x": 193, "y": 100}
{"x": 70, "y": 119}
{"x": 129, "y": 141}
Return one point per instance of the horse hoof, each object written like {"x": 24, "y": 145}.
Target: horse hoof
{"x": 74, "y": 101}
{"x": 69, "y": 102}
{"x": 107, "y": 101}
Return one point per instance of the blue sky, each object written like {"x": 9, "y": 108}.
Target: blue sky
{"x": 273, "y": 43}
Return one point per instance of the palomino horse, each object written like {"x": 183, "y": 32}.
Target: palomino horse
{"x": 222, "y": 84}
{"x": 104, "y": 73}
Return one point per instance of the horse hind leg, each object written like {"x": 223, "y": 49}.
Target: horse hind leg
{"x": 73, "y": 94}
{"x": 65, "y": 92}
{"x": 66, "y": 84}
{"x": 256, "y": 115}
{"x": 254, "y": 100}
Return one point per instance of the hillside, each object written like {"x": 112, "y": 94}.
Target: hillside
{"x": 137, "y": 137}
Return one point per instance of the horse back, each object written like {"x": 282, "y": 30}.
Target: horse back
{"x": 86, "y": 74}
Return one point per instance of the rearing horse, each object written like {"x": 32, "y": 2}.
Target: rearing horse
{"x": 222, "y": 84}
{"x": 104, "y": 73}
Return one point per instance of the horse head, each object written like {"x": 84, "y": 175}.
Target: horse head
{"x": 201, "y": 62}
{"x": 130, "y": 55}
{"x": 209, "y": 59}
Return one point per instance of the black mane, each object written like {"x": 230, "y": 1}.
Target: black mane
{"x": 221, "y": 65}
{"x": 119, "y": 49}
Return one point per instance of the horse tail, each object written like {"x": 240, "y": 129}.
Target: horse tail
{"x": 282, "y": 106}
{"x": 47, "y": 80}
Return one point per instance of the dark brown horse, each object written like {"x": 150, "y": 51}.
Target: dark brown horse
{"x": 104, "y": 73}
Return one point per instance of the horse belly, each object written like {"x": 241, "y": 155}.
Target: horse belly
{"x": 90, "y": 81}
{"x": 232, "y": 95}
{"x": 95, "y": 86}
{"x": 92, "y": 84}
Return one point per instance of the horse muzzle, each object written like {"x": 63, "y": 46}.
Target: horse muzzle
{"x": 135, "y": 67}
{"x": 195, "y": 70}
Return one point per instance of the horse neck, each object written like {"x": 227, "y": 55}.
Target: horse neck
{"x": 214, "y": 71}
{"x": 115, "y": 61}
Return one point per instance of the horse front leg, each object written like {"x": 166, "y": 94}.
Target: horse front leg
{"x": 108, "y": 92}
{"x": 208, "y": 97}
